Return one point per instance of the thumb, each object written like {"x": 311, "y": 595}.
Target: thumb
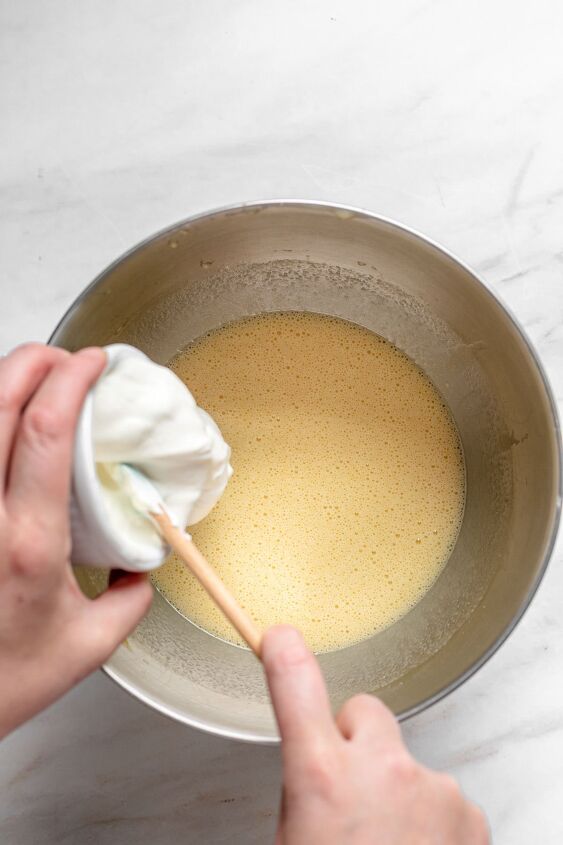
{"x": 116, "y": 613}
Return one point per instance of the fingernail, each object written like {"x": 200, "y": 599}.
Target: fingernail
{"x": 283, "y": 637}
{"x": 289, "y": 635}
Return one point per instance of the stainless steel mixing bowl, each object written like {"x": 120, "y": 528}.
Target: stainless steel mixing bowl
{"x": 275, "y": 256}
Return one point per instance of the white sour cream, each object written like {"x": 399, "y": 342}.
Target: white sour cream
{"x": 144, "y": 416}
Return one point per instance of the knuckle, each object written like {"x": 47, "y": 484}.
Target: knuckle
{"x": 402, "y": 768}
{"x": 450, "y": 788}
{"x": 370, "y": 707}
{"x": 320, "y": 773}
{"x": 10, "y": 399}
{"x": 40, "y": 351}
{"x": 43, "y": 423}
{"x": 369, "y": 712}
{"x": 99, "y": 642}
{"x": 29, "y": 550}
{"x": 27, "y": 359}
{"x": 30, "y": 347}
{"x": 348, "y": 709}
{"x": 480, "y": 826}
{"x": 356, "y": 710}
{"x": 27, "y": 561}
{"x": 360, "y": 702}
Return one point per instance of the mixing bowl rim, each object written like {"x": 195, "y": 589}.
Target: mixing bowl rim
{"x": 255, "y": 737}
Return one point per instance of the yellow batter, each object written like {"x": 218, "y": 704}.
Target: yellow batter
{"x": 348, "y": 485}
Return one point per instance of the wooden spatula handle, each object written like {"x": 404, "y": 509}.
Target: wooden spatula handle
{"x": 210, "y": 581}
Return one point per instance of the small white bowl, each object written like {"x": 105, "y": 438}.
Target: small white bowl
{"x": 95, "y": 542}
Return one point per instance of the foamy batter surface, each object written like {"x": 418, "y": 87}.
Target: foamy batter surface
{"x": 348, "y": 485}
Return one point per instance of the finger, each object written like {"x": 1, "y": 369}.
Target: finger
{"x": 21, "y": 373}
{"x": 111, "y": 617}
{"x": 366, "y": 717}
{"x": 298, "y": 692}
{"x": 40, "y": 469}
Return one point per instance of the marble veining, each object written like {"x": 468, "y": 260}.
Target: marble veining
{"x": 120, "y": 118}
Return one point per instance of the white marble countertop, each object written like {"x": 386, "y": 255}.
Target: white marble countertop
{"x": 121, "y": 117}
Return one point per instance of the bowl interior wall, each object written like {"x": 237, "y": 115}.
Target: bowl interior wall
{"x": 290, "y": 257}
